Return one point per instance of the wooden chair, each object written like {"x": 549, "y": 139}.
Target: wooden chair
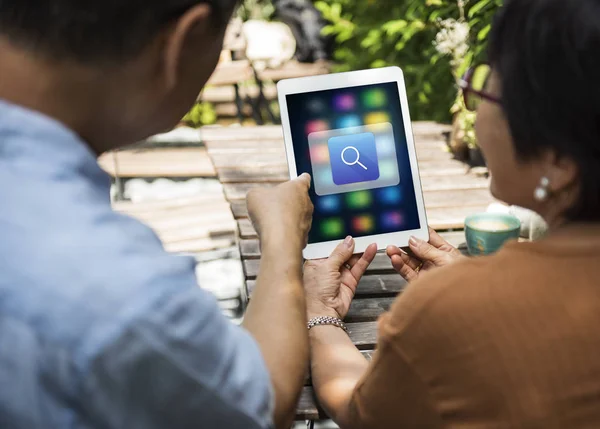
{"x": 233, "y": 69}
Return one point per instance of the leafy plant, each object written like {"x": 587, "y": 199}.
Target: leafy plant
{"x": 464, "y": 124}
{"x": 371, "y": 33}
{"x": 200, "y": 114}
{"x": 256, "y": 9}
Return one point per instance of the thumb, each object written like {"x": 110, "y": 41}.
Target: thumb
{"x": 305, "y": 179}
{"x": 425, "y": 251}
{"x": 342, "y": 253}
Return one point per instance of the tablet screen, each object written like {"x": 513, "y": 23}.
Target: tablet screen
{"x": 353, "y": 143}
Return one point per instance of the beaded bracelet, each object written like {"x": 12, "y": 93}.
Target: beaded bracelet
{"x": 326, "y": 320}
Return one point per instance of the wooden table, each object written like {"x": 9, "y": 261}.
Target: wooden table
{"x": 246, "y": 157}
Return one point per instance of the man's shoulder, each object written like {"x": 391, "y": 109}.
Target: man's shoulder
{"x": 73, "y": 264}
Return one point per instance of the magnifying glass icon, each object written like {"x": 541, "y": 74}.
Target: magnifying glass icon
{"x": 356, "y": 162}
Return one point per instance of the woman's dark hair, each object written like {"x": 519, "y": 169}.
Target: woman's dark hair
{"x": 547, "y": 54}
{"x": 94, "y": 30}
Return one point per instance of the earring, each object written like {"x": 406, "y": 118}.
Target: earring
{"x": 542, "y": 192}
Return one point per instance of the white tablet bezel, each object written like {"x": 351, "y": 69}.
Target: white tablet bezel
{"x": 347, "y": 80}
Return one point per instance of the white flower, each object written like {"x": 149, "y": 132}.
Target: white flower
{"x": 453, "y": 40}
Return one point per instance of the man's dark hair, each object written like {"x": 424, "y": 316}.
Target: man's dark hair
{"x": 547, "y": 53}
{"x": 94, "y": 30}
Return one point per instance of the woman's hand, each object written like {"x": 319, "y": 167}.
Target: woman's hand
{"x": 426, "y": 256}
{"x": 330, "y": 284}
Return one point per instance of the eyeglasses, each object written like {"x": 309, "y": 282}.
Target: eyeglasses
{"x": 474, "y": 84}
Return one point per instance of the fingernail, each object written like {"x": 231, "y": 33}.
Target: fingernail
{"x": 413, "y": 241}
{"x": 348, "y": 241}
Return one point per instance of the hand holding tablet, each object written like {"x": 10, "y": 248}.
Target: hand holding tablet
{"x": 352, "y": 133}
{"x": 265, "y": 206}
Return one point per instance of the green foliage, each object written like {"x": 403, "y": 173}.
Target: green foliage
{"x": 464, "y": 123}
{"x": 379, "y": 33}
{"x": 480, "y": 16}
{"x": 255, "y": 9}
{"x": 200, "y": 114}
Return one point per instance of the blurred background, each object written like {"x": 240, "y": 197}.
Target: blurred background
{"x": 434, "y": 41}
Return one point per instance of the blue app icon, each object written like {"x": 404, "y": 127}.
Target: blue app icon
{"x": 390, "y": 196}
{"x": 329, "y": 204}
{"x": 348, "y": 121}
{"x": 353, "y": 158}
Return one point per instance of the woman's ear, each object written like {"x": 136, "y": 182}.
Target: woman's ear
{"x": 194, "y": 25}
{"x": 561, "y": 172}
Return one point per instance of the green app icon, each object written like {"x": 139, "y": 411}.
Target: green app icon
{"x": 333, "y": 228}
{"x": 374, "y": 98}
{"x": 359, "y": 199}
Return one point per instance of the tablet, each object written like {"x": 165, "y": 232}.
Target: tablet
{"x": 352, "y": 133}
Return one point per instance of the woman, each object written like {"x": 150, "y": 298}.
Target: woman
{"x": 510, "y": 340}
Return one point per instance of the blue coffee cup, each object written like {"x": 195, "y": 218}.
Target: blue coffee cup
{"x": 486, "y": 233}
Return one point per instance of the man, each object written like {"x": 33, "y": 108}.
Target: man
{"x": 99, "y": 327}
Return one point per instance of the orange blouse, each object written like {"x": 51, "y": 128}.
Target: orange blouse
{"x": 507, "y": 341}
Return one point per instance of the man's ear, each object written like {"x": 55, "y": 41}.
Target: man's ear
{"x": 195, "y": 23}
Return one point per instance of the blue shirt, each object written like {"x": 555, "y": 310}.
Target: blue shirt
{"x": 99, "y": 326}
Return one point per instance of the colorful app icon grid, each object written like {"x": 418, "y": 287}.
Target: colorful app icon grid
{"x": 354, "y": 204}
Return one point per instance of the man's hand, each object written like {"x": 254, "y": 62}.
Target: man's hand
{"x": 330, "y": 284}
{"x": 283, "y": 211}
{"x": 276, "y": 315}
{"x": 426, "y": 256}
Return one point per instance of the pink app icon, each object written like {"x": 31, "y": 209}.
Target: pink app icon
{"x": 316, "y": 126}
{"x": 319, "y": 154}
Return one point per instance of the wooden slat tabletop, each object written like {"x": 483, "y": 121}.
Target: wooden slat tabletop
{"x": 158, "y": 162}
{"x": 248, "y": 157}
{"x": 188, "y": 224}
